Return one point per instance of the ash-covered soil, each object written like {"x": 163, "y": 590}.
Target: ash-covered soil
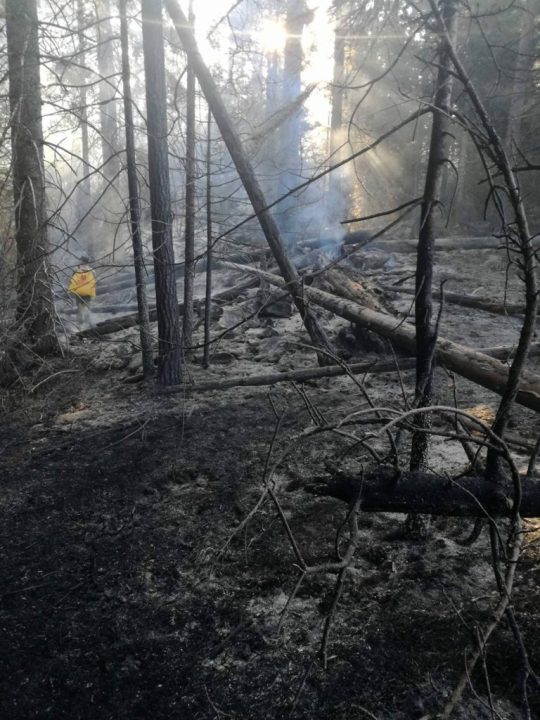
{"x": 143, "y": 578}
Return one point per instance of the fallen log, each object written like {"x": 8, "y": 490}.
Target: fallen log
{"x": 385, "y": 490}
{"x": 441, "y": 244}
{"x": 463, "y": 360}
{"x": 315, "y": 373}
{"x": 101, "y": 309}
{"x": 121, "y": 323}
{"x": 472, "y": 301}
{"x": 506, "y": 352}
{"x": 364, "y": 293}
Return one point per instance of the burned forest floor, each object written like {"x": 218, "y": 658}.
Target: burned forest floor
{"x": 145, "y": 572}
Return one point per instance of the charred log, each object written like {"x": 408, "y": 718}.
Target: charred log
{"x": 385, "y": 490}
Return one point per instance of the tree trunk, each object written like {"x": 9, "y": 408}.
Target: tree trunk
{"x": 304, "y": 375}
{"x": 108, "y": 112}
{"x": 138, "y": 257}
{"x": 170, "y": 350}
{"x": 497, "y": 307}
{"x": 438, "y": 157}
{"x": 349, "y": 289}
{"x": 522, "y": 78}
{"x": 290, "y": 132}
{"x": 338, "y": 191}
{"x": 246, "y": 173}
{"x": 84, "y": 190}
{"x": 209, "y": 248}
{"x": 265, "y": 136}
{"x": 35, "y": 308}
{"x": 441, "y": 244}
{"x": 189, "y": 253}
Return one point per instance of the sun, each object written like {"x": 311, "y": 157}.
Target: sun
{"x": 272, "y": 36}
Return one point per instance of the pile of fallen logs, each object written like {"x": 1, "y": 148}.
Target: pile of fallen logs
{"x": 465, "y": 361}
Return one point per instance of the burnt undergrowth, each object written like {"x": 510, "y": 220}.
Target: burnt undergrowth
{"x": 125, "y": 593}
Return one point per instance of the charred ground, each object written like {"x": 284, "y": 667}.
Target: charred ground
{"x": 122, "y": 599}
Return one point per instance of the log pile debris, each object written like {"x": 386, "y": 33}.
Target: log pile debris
{"x": 465, "y": 361}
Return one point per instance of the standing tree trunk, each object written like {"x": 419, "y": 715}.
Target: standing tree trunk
{"x": 339, "y": 188}
{"x": 246, "y": 173}
{"x": 425, "y": 331}
{"x": 291, "y": 131}
{"x": 84, "y": 187}
{"x": 209, "y": 249}
{"x": 189, "y": 254}
{"x": 35, "y": 308}
{"x": 107, "y": 90}
{"x": 438, "y": 157}
{"x": 523, "y": 76}
{"x": 269, "y": 146}
{"x": 170, "y": 351}
{"x": 138, "y": 258}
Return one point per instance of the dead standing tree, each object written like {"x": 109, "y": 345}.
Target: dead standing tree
{"x": 437, "y": 160}
{"x": 107, "y": 89}
{"x": 170, "y": 351}
{"x": 84, "y": 189}
{"x": 209, "y": 244}
{"x": 35, "y": 308}
{"x": 189, "y": 256}
{"x": 425, "y": 331}
{"x": 134, "y": 211}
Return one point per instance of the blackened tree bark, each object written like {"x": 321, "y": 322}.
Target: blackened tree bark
{"x": 138, "y": 258}
{"x": 425, "y": 331}
{"x": 247, "y": 174}
{"x": 170, "y": 355}
{"x": 418, "y": 525}
{"x": 189, "y": 253}
{"x": 438, "y": 157}
{"x": 35, "y": 308}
